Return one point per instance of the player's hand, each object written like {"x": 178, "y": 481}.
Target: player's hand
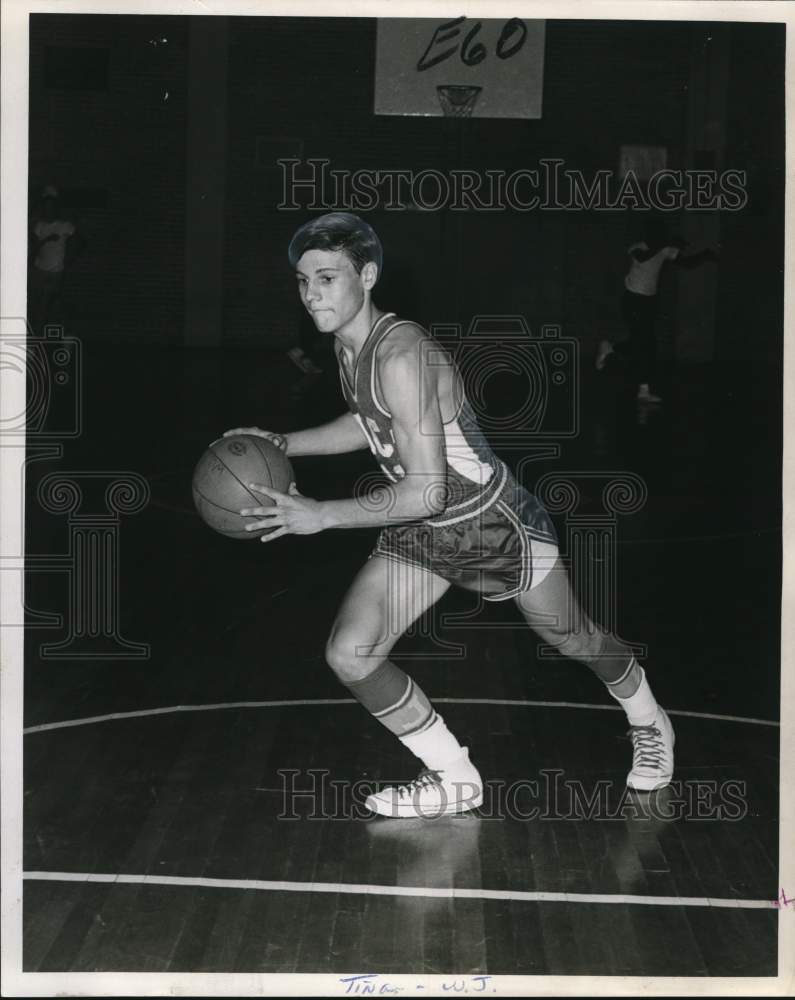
{"x": 280, "y": 440}
{"x": 291, "y": 513}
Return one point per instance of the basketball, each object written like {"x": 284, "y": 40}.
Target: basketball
{"x": 222, "y": 475}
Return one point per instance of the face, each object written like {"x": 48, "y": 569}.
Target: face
{"x": 330, "y": 289}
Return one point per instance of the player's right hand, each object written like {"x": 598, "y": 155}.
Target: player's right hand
{"x": 278, "y": 439}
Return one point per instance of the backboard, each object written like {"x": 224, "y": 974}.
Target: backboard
{"x": 462, "y": 67}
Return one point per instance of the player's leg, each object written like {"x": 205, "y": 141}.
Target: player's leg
{"x": 555, "y": 614}
{"x": 603, "y": 352}
{"x": 638, "y": 312}
{"x": 385, "y": 598}
{"x": 645, "y": 350}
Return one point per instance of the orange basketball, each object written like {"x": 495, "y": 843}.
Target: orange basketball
{"x": 222, "y": 475}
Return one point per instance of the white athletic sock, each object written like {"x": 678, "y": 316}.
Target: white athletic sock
{"x": 641, "y": 707}
{"x": 436, "y": 747}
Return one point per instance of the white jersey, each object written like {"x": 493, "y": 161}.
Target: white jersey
{"x": 643, "y": 277}
{"x": 52, "y": 254}
{"x": 471, "y": 463}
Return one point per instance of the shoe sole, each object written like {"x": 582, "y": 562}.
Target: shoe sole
{"x": 412, "y": 812}
{"x": 662, "y": 783}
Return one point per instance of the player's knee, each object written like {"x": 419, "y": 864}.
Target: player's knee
{"x": 347, "y": 657}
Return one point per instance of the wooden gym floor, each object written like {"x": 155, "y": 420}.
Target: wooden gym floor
{"x": 160, "y": 832}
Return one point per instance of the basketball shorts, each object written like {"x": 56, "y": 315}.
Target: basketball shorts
{"x": 491, "y": 543}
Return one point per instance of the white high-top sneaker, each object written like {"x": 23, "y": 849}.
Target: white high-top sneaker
{"x": 453, "y": 789}
{"x": 652, "y": 754}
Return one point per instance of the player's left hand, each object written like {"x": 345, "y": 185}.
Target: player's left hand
{"x": 291, "y": 513}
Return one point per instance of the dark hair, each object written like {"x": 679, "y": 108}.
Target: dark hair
{"x": 338, "y": 231}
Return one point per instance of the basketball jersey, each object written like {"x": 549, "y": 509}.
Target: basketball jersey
{"x": 52, "y": 254}
{"x": 471, "y": 464}
{"x": 643, "y": 276}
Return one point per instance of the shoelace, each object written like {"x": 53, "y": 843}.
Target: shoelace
{"x": 424, "y": 779}
{"x": 648, "y": 746}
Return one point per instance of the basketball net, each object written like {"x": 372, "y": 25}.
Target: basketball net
{"x": 458, "y": 101}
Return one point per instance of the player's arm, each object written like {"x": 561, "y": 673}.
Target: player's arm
{"x": 641, "y": 255}
{"x": 75, "y": 245}
{"x": 334, "y": 438}
{"x": 688, "y": 261}
{"x": 410, "y": 392}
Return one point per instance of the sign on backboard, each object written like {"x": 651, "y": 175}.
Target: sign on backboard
{"x": 461, "y": 67}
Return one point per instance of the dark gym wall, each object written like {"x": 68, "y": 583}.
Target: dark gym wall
{"x": 605, "y": 84}
{"x": 751, "y": 276}
{"x": 305, "y": 87}
{"x": 114, "y": 144}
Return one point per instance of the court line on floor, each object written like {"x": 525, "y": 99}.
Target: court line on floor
{"x": 353, "y": 888}
{"x": 304, "y": 702}
{"x": 606, "y": 708}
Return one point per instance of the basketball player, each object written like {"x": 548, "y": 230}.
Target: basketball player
{"x": 452, "y": 515}
{"x": 639, "y": 302}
